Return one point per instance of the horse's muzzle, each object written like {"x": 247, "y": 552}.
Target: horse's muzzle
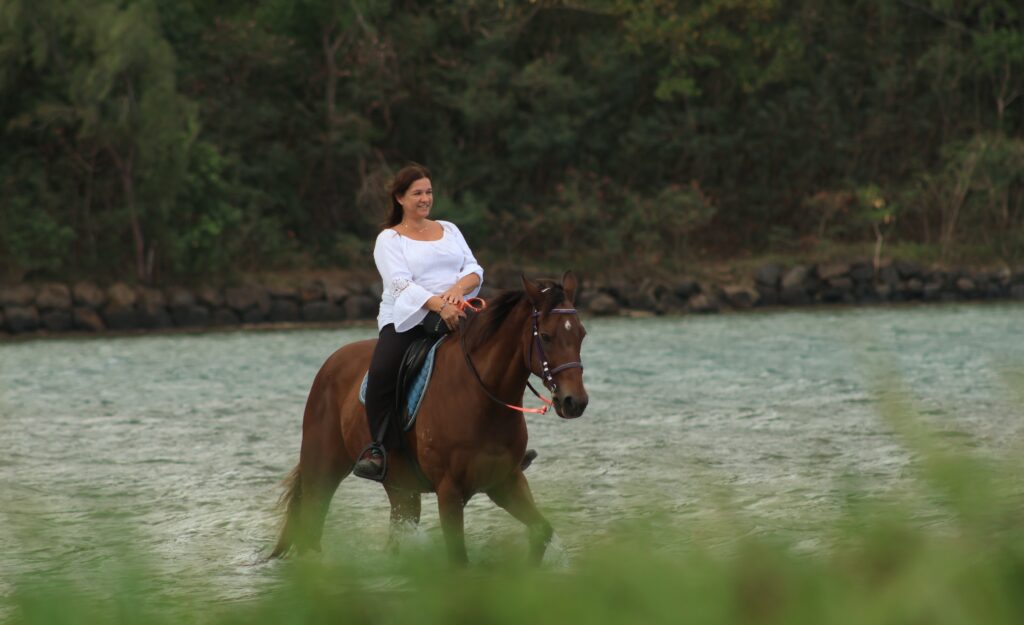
{"x": 571, "y": 406}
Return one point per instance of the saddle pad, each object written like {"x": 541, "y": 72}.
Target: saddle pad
{"x": 419, "y": 384}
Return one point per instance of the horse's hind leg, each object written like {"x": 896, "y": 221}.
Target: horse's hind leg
{"x": 323, "y": 463}
{"x": 515, "y": 497}
{"x": 405, "y": 512}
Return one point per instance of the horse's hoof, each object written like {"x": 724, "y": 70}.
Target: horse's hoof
{"x": 528, "y": 458}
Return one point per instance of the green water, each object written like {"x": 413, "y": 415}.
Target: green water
{"x": 175, "y": 444}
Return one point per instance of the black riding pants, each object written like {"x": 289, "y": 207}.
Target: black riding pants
{"x": 383, "y": 379}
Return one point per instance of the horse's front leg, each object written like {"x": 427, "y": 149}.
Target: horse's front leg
{"x": 450, "y": 505}
{"x": 515, "y": 497}
{"x": 405, "y": 513}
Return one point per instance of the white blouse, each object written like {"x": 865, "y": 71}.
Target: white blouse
{"x": 414, "y": 271}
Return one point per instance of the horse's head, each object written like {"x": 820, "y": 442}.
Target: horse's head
{"x": 554, "y": 340}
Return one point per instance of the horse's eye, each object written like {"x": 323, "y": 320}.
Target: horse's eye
{"x": 544, "y": 336}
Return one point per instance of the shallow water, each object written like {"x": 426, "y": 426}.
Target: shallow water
{"x": 175, "y": 444}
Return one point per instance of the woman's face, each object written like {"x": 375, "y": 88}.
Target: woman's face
{"x": 418, "y": 199}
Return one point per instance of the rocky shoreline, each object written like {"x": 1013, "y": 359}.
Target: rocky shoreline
{"x": 56, "y": 308}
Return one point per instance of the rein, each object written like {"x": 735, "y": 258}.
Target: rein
{"x": 547, "y": 374}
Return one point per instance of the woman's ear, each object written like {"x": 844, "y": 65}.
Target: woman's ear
{"x": 569, "y": 285}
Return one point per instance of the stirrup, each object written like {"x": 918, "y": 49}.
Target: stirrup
{"x": 366, "y": 468}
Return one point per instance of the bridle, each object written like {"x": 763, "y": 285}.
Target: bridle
{"x": 547, "y": 374}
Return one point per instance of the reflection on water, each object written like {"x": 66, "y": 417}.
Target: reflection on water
{"x": 177, "y": 443}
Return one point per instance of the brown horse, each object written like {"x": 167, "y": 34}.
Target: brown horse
{"x": 464, "y": 441}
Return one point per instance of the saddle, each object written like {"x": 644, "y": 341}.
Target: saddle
{"x": 413, "y": 376}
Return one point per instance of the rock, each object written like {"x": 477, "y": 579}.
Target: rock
{"x": 915, "y": 287}
{"x": 53, "y": 296}
{"x": 322, "y": 311}
{"x": 794, "y": 286}
{"x": 832, "y": 271}
{"x": 965, "y": 285}
{"x": 120, "y": 295}
{"x": 248, "y": 297}
{"x": 1017, "y": 291}
{"x": 210, "y": 296}
{"x": 311, "y": 292}
{"x": 86, "y": 318}
{"x": 768, "y": 275}
{"x": 932, "y": 291}
{"x": 884, "y": 292}
{"x": 88, "y": 294}
{"x": 56, "y": 320}
{"x": 889, "y": 275}
{"x": 862, "y": 272}
{"x": 178, "y": 297}
{"x": 669, "y": 303}
{"x": 190, "y": 315}
{"x": 336, "y": 291}
{"x": 120, "y": 317}
{"x": 224, "y": 317}
{"x": 795, "y": 278}
{"x": 642, "y": 298}
{"x": 685, "y": 287}
{"x": 21, "y": 295}
{"x": 701, "y": 303}
{"x": 284, "y": 310}
{"x": 150, "y": 314}
{"x": 740, "y": 296}
{"x": 3, "y": 330}
{"x": 148, "y": 296}
{"x": 838, "y": 290}
{"x": 840, "y": 284}
{"x": 604, "y": 304}
{"x": 908, "y": 271}
{"x": 278, "y": 290}
{"x": 254, "y": 315}
{"x": 360, "y": 307}
{"x": 21, "y": 318}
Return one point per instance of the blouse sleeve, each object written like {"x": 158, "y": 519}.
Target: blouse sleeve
{"x": 469, "y": 264}
{"x": 408, "y": 297}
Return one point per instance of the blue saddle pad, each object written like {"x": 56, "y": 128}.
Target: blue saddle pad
{"x": 419, "y": 384}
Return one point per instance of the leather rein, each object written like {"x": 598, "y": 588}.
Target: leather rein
{"x": 547, "y": 374}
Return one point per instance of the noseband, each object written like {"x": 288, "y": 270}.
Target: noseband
{"x": 547, "y": 374}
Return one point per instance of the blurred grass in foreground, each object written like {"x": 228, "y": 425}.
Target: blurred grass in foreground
{"x": 893, "y": 560}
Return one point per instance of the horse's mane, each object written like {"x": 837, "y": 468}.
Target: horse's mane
{"x": 488, "y": 322}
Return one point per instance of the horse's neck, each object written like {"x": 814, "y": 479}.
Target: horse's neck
{"x": 500, "y": 361}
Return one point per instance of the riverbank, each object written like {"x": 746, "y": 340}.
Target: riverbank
{"x": 50, "y": 308}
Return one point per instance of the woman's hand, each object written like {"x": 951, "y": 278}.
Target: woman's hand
{"x": 450, "y": 314}
{"x": 453, "y": 296}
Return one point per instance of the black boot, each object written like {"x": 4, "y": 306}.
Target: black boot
{"x": 372, "y": 463}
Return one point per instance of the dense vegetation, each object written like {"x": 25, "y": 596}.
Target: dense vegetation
{"x": 179, "y": 139}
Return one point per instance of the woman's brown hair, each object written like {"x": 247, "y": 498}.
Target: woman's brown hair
{"x": 401, "y": 183}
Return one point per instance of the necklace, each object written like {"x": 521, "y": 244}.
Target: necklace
{"x": 406, "y": 224}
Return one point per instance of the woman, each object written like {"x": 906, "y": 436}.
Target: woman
{"x": 426, "y": 266}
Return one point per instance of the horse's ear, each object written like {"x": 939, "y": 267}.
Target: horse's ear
{"x": 532, "y": 292}
{"x": 569, "y": 285}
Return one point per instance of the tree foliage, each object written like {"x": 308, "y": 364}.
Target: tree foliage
{"x": 177, "y": 139}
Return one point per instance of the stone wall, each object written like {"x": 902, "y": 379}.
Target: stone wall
{"x": 807, "y": 285}
{"x": 87, "y": 307}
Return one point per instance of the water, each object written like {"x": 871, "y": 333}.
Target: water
{"x": 175, "y": 444}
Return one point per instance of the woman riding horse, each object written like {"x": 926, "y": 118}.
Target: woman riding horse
{"x": 469, "y": 435}
{"x": 426, "y": 266}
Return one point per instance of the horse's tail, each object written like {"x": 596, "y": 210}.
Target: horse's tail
{"x": 290, "y": 501}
